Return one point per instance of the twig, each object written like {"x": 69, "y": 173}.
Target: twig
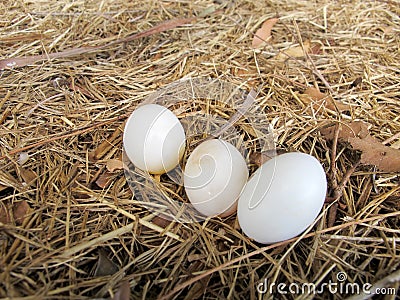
{"x": 338, "y": 192}
{"x": 333, "y": 209}
{"x": 240, "y": 113}
{"x": 11, "y": 63}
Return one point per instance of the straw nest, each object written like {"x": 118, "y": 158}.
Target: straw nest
{"x": 70, "y": 226}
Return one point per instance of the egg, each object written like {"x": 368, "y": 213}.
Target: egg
{"x": 282, "y": 198}
{"x": 214, "y": 176}
{"x": 154, "y": 139}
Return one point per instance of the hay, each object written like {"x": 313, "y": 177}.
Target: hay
{"x": 61, "y": 121}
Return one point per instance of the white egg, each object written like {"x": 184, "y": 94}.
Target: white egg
{"x": 154, "y": 139}
{"x": 282, "y": 198}
{"x": 214, "y": 176}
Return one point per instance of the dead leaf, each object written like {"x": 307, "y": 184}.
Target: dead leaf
{"x": 20, "y": 211}
{"x": 296, "y": 52}
{"x": 315, "y": 48}
{"x": 258, "y": 158}
{"x": 347, "y": 130}
{"x": 104, "y": 179}
{"x": 28, "y": 176}
{"x": 113, "y": 165}
{"x": 123, "y": 292}
{"x": 356, "y": 133}
{"x": 374, "y": 153}
{"x": 263, "y": 35}
{"x": 4, "y": 214}
{"x": 318, "y": 99}
{"x": 159, "y": 221}
{"x": 105, "y": 266}
{"x": 3, "y": 187}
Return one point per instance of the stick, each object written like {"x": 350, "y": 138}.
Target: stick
{"x": 17, "y": 62}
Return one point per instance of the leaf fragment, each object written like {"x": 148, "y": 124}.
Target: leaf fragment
{"x": 296, "y": 51}
{"x": 356, "y": 133}
{"x": 105, "y": 266}
{"x": 318, "y": 99}
{"x": 3, "y": 187}
{"x": 20, "y": 210}
{"x": 258, "y": 158}
{"x": 113, "y": 165}
{"x": 4, "y": 214}
{"x": 28, "y": 176}
{"x": 105, "y": 179}
{"x": 263, "y": 35}
{"x": 123, "y": 292}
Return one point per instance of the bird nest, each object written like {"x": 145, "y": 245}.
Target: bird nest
{"x": 72, "y": 72}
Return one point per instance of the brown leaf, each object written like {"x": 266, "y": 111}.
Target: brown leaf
{"x": 104, "y": 180}
{"x": 123, "y": 292}
{"x": 315, "y": 48}
{"x": 347, "y": 130}
{"x": 28, "y": 176}
{"x": 296, "y": 52}
{"x": 258, "y": 158}
{"x": 159, "y": 221}
{"x": 105, "y": 266}
{"x": 374, "y": 153}
{"x": 263, "y": 35}
{"x": 4, "y": 214}
{"x": 113, "y": 165}
{"x": 3, "y": 187}
{"x": 385, "y": 158}
{"x": 317, "y": 99}
{"x": 21, "y": 210}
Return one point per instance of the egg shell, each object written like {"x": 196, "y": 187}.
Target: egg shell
{"x": 154, "y": 139}
{"x": 282, "y": 198}
{"x": 214, "y": 176}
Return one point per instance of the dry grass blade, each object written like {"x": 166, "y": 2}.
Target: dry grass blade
{"x": 266, "y": 248}
{"x": 73, "y": 71}
{"x": 11, "y": 63}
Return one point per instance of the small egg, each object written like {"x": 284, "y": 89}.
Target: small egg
{"x": 214, "y": 176}
{"x": 154, "y": 139}
{"x": 282, "y": 198}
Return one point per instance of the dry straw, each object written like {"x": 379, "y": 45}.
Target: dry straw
{"x": 70, "y": 226}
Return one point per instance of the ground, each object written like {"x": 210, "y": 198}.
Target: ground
{"x": 73, "y": 71}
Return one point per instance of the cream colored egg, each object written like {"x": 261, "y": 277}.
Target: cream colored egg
{"x": 154, "y": 139}
{"x": 214, "y": 176}
{"x": 282, "y": 198}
